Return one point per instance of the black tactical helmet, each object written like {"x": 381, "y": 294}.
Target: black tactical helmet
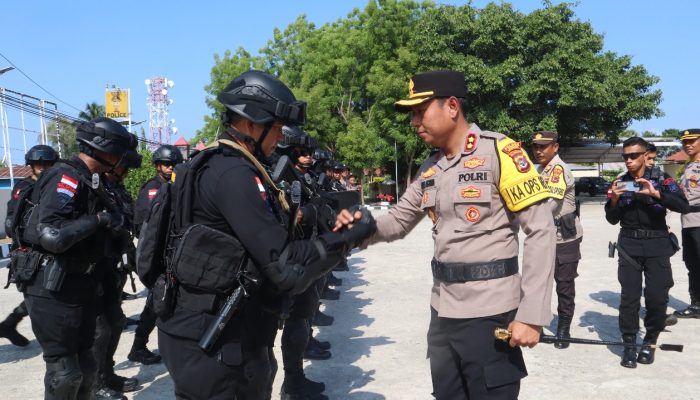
{"x": 106, "y": 135}
{"x": 262, "y": 98}
{"x": 322, "y": 155}
{"x": 132, "y": 159}
{"x": 340, "y": 167}
{"x": 167, "y": 153}
{"x": 295, "y": 137}
{"x": 40, "y": 152}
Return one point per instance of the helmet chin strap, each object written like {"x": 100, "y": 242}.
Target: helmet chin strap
{"x": 256, "y": 144}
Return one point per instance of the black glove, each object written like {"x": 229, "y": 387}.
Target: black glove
{"x": 111, "y": 221}
{"x": 361, "y": 229}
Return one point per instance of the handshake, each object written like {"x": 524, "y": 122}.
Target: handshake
{"x": 355, "y": 225}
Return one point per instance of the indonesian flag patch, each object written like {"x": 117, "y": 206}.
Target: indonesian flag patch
{"x": 152, "y": 193}
{"x": 261, "y": 188}
{"x": 66, "y": 190}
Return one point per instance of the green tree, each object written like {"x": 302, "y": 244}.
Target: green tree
{"x": 92, "y": 110}
{"x": 628, "y": 133}
{"x": 61, "y": 135}
{"x": 648, "y": 134}
{"x": 671, "y": 132}
{"x": 137, "y": 177}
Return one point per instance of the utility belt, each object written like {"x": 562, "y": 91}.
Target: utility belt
{"x": 643, "y": 233}
{"x": 566, "y": 225}
{"x": 27, "y": 262}
{"x": 469, "y": 272}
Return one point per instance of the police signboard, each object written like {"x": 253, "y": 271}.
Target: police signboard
{"x": 117, "y": 104}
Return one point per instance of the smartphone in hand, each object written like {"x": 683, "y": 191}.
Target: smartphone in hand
{"x": 630, "y": 186}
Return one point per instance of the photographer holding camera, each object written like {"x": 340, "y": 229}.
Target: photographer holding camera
{"x": 639, "y": 202}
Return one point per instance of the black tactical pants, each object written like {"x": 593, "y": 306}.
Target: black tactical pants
{"x": 147, "y": 323}
{"x": 565, "y": 272}
{"x": 64, "y": 324}
{"x": 468, "y": 363}
{"x": 234, "y": 373}
{"x": 658, "y": 280}
{"x": 110, "y": 319}
{"x": 691, "y": 257}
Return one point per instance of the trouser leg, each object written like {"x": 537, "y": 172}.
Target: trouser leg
{"x": 630, "y": 278}
{"x": 658, "y": 280}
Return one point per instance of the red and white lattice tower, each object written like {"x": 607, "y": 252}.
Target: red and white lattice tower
{"x": 160, "y": 125}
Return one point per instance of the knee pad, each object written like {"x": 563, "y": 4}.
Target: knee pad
{"x": 63, "y": 378}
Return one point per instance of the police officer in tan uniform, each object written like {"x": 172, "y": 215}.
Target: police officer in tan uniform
{"x": 478, "y": 190}
{"x": 690, "y": 184}
{"x": 558, "y": 178}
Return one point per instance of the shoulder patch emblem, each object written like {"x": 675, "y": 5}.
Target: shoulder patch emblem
{"x": 693, "y": 181}
{"x": 66, "y": 189}
{"x": 515, "y": 152}
{"x": 261, "y": 188}
{"x": 474, "y": 162}
{"x": 470, "y": 142}
{"x": 426, "y": 197}
{"x": 428, "y": 173}
{"x": 472, "y": 214}
{"x": 471, "y": 192}
{"x": 556, "y": 174}
{"x": 152, "y": 193}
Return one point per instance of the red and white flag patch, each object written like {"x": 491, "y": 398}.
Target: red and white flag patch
{"x": 67, "y": 186}
{"x": 261, "y": 188}
{"x": 152, "y": 193}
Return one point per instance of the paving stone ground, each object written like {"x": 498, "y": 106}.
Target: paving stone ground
{"x": 379, "y": 337}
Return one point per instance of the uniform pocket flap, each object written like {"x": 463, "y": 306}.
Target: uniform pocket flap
{"x": 504, "y": 372}
{"x": 429, "y": 197}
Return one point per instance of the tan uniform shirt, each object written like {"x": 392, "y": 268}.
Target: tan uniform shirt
{"x": 690, "y": 184}
{"x": 466, "y": 198}
{"x": 560, "y": 181}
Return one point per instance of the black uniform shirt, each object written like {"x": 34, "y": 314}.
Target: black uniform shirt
{"x": 640, "y": 212}
{"x": 20, "y": 187}
{"x": 147, "y": 193}
{"x": 65, "y": 197}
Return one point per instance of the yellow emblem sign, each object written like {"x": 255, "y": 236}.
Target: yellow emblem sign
{"x": 411, "y": 85}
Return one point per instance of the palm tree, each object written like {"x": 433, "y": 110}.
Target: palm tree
{"x": 92, "y": 110}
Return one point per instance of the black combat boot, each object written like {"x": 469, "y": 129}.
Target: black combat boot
{"x": 120, "y": 383}
{"x": 322, "y": 344}
{"x": 330, "y": 294}
{"x": 297, "y": 387}
{"x": 334, "y": 280}
{"x": 629, "y": 357}
{"x": 321, "y": 319}
{"x": 693, "y": 310}
{"x": 8, "y": 329}
{"x": 646, "y": 354}
{"x": 102, "y": 392}
{"x": 563, "y": 327}
{"x": 671, "y": 319}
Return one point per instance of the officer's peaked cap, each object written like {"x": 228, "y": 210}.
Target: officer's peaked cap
{"x": 432, "y": 84}
{"x": 690, "y": 134}
{"x": 545, "y": 137}
{"x": 262, "y": 98}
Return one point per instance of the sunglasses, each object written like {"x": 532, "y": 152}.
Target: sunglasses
{"x": 633, "y": 156}
{"x": 168, "y": 164}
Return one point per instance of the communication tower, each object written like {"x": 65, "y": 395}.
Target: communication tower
{"x": 160, "y": 126}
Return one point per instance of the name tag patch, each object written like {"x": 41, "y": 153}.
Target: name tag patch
{"x": 474, "y": 177}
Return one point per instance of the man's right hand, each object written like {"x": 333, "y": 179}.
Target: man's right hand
{"x": 111, "y": 221}
{"x": 355, "y": 226}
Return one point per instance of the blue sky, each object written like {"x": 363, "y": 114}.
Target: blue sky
{"x": 74, "y": 48}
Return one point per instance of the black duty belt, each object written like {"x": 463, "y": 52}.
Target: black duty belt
{"x": 643, "y": 233}
{"x": 468, "y": 272}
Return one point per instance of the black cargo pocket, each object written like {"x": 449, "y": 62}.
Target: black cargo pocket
{"x": 25, "y": 265}
{"x": 506, "y": 371}
{"x": 567, "y": 226}
{"x": 230, "y": 354}
{"x": 163, "y": 292}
